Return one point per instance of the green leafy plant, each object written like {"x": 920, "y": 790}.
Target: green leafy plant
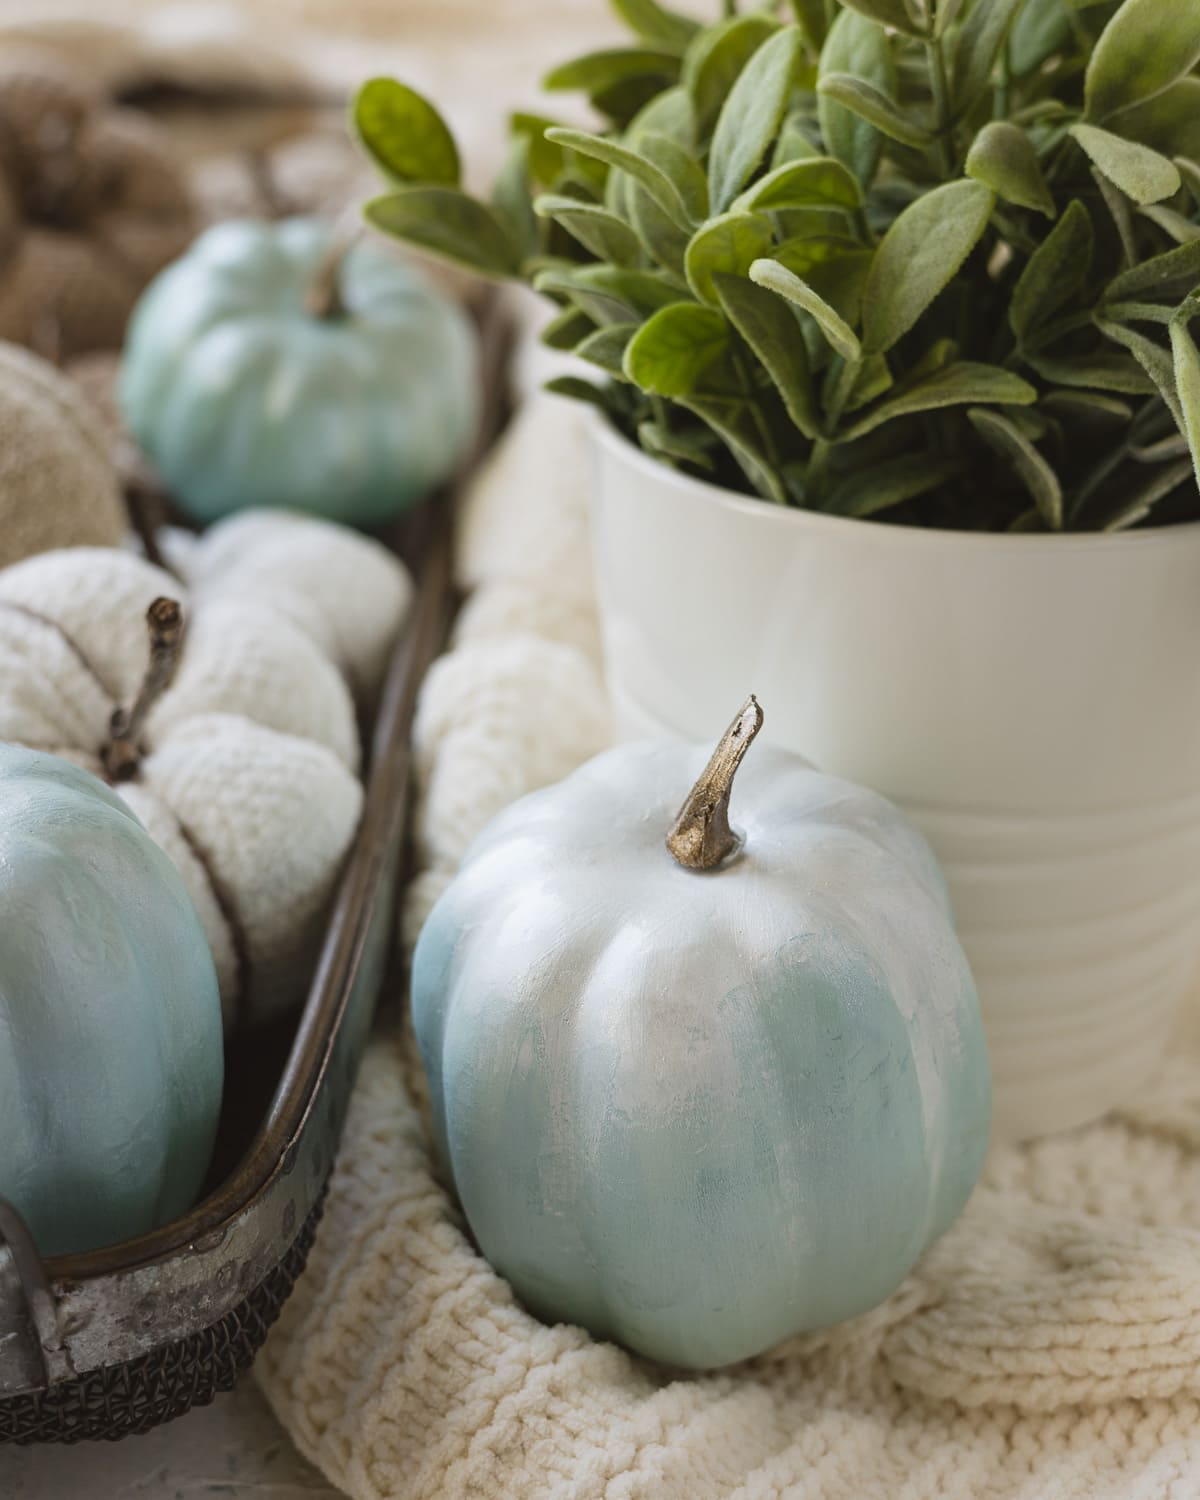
{"x": 934, "y": 261}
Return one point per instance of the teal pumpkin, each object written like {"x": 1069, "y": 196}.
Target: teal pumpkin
{"x": 243, "y": 397}
{"x": 111, "y": 1060}
{"x": 698, "y": 1110}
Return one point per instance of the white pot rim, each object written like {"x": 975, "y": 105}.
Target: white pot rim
{"x": 764, "y": 513}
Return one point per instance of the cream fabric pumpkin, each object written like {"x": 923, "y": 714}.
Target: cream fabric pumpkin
{"x": 347, "y": 592}
{"x": 247, "y": 780}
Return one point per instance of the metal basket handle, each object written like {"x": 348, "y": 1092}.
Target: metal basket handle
{"x": 28, "y": 1317}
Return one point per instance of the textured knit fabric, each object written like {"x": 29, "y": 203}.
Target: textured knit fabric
{"x": 1048, "y": 1347}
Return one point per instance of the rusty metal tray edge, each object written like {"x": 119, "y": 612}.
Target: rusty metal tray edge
{"x": 236, "y": 1254}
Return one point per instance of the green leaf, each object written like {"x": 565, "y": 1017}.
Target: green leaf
{"x": 404, "y": 134}
{"x": 752, "y": 113}
{"x": 728, "y": 244}
{"x": 1006, "y": 439}
{"x": 734, "y": 422}
{"x": 677, "y": 163}
{"x": 814, "y": 21}
{"x": 1156, "y": 362}
{"x": 1190, "y": 172}
{"x": 1187, "y": 376}
{"x": 1004, "y": 159}
{"x": 606, "y": 236}
{"x": 946, "y": 14}
{"x": 576, "y": 389}
{"x": 806, "y": 251}
{"x": 887, "y": 12}
{"x": 1137, "y": 505}
{"x": 652, "y": 178}
{"x": 511, "y": 200}
{"x": 1088, "y": 405}
{"x": 821, "y": 180}
{"x": 716, "y": 59}
{"x": 670, "y": 354}
{"x": 861, "y": 48}
{"x": 866, "y": 492}
{"x": 793, "y": 144}
{"x": 1146, "y": 46}
{"x": 1042, "y": 28}
{"x": 567, "y": 329}
{"x": 1140, "y": 173}
{"x": 609, "y": 294}
{"x": 606, "y": 347}
{"x": 1168, "y": 277}
{"x": 1103, "y": 370}
{"x": 978, "y": 47}
{"x": 1180, "y": 229}
{"x": 873, "y": 379}
{"x": 669, "y": 113}
{"x": 1055, "y": 272}
{"x": 447, "y": 223}
{"x": 1120, "y": 211}
{"x": 920, "y": 254}
{"x": 660, "y": 235}
{"x": 1138, "y": 312}
{"x": 776, "y": 342}
{"x": 664, "y": 28}
{"x": 601, "y": 70}
{"x": 1170, "y": 122}
{"x": 874, "y": 106}
{"x": 547, "y": 162}
{"x": 674, "y": 447}
{"x": 778, "y": 279}
{"x": 960, "y": 384}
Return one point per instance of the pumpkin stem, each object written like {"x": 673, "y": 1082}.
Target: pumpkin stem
{"x": 324, "y": 298}
{"x": 702, "y": 838}
{"x": 123, "y": 754}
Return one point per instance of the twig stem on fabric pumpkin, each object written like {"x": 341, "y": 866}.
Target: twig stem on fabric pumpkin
{"x": 122, "y": 756}
{"x": 702, "y": 838}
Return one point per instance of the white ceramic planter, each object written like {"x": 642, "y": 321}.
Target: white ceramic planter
{"x": 1033, "y": 702}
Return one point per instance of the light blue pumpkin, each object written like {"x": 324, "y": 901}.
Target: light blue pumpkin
{"x": 241, "y": 397}
{"x": 111, "y": 1061}
{"x": 699, "y": 1111}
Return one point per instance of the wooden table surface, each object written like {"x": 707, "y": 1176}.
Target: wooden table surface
{"x": 233, "y": 1448}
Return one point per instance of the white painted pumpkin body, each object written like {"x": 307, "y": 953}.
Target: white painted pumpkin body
{"x": 699, "y": 1112}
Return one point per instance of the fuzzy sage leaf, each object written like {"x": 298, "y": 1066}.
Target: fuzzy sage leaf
{"x": 1146, "y": 46}
{"x": 404, "y": 134}
{"x": 449, "y": 223}
{"x": 752, "y": 113}
{"x": 920, "y": 253}
{"x": 857, "y": 47}
{"x": 1140, "y": 173}
{"x": 777, "y": 278}
{"x": 1004, "y": 159}
{"x": 672, "y": 352}
{"x": 1031, "y": 467}
{"x": 730, "y": 243}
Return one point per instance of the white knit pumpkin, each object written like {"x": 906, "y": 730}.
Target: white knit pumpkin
{"x": 346, "y": 591}
{"x": 247, "y": 780}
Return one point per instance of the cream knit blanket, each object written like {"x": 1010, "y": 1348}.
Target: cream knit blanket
{"x": 1049, "y": 1346}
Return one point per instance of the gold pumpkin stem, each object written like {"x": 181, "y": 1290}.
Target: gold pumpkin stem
{"x": 123, "y": 754}
{"x": 702, "y": 838}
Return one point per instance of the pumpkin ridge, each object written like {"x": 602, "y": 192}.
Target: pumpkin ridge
{"x": 230, "y": 915}
{"x": 66, "y": 637}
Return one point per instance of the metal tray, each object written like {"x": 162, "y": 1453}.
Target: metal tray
{"x": 118, "y": 1340}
